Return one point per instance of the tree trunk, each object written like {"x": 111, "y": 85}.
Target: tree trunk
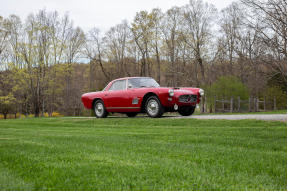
{"x": 158, "y": 64}
{"x": 200, "y": 62}
{"x": 37, "y": 110}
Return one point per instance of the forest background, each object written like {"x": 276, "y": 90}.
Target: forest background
{"x": 46, "y": 63}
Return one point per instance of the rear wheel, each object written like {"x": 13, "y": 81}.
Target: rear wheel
{"x": 100, "y": 110}
{"x": 186, "y": 110}
{"x": 132, "y": 114}
{"x": 153, "y": 107}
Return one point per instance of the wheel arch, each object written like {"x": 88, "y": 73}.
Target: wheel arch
{"x": 146, "y": 96}
{"x": 94, "y": 101}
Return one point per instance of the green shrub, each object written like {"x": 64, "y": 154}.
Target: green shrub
{"x": 225, "y": 88}
{"x": 279, "y": 94}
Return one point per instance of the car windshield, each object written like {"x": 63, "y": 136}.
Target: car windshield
{"x": 142, "y": 82}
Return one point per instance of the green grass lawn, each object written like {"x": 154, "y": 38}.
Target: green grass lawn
{"x": 142, "y": 154}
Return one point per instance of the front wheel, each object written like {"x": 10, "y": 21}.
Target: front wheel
{"x": 153, "y": 107}
{"x": 186, "y": 110}
{"x": 100, "y": 110}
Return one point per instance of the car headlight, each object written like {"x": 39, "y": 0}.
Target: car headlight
{"x": 171, "y": 92}
{"x": 201, "y": 92}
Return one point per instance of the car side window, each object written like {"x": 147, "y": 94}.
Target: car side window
{"x": 118, "y": 85}
{"x": 134, "y": 83}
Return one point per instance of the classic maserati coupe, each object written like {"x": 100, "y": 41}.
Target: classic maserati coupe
{"x": 133, "y": 95}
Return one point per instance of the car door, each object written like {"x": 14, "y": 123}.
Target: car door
{"x": 116, "y": 96}
{"x": 134, "y": 95}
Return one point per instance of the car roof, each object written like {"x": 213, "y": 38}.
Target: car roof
{"x": 126, "y": 78}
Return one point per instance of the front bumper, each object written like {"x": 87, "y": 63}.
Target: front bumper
{"x": 182, "y": 100}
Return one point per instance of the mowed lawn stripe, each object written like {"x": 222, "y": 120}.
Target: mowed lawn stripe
{"x": 143, "y": 154}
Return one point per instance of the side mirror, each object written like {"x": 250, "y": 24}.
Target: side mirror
{"x": 130, "y": 86}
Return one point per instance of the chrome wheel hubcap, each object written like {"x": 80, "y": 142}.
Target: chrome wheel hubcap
{"x": 99, "y": 109}
{"x": 152, "y": 107}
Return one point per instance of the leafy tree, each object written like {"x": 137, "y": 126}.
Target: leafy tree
{"x": 142, "y": 33}
{"x": 7, "y": 104}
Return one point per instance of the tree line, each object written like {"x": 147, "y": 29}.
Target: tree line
{"x": 46, "y": 63}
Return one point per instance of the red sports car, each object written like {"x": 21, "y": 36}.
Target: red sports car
{"x": 135, "y": 95}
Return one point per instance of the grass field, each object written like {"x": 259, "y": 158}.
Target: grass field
{"x": 197, "y": 112}
{"x": 142, "y": 154}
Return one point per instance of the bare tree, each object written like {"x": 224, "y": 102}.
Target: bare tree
{"x": 116, "y": 41}
{"x": 4, "y": 35}
{"x": 60, "y": 28}
{"x": 272, "y": 31}
{"x": 198, "y": 19}
{"x": 157, "y": 17}
{"x": 171, "y": 29}
{"x": 75, "y": 43}
{"x": 230, "y": 23}
{"x": 94, "y": 51}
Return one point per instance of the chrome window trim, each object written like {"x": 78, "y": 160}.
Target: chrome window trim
{"x": 118, "y": 81}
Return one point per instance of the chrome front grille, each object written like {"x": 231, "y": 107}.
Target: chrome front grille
{"x": 188, "y": 98}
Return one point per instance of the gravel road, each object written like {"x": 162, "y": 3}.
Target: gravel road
{"x": 268, "y": 117}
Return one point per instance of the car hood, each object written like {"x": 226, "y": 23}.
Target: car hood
{"x": 178, "y": 91}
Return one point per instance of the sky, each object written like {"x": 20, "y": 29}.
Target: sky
{"x": 87, "y": 14}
